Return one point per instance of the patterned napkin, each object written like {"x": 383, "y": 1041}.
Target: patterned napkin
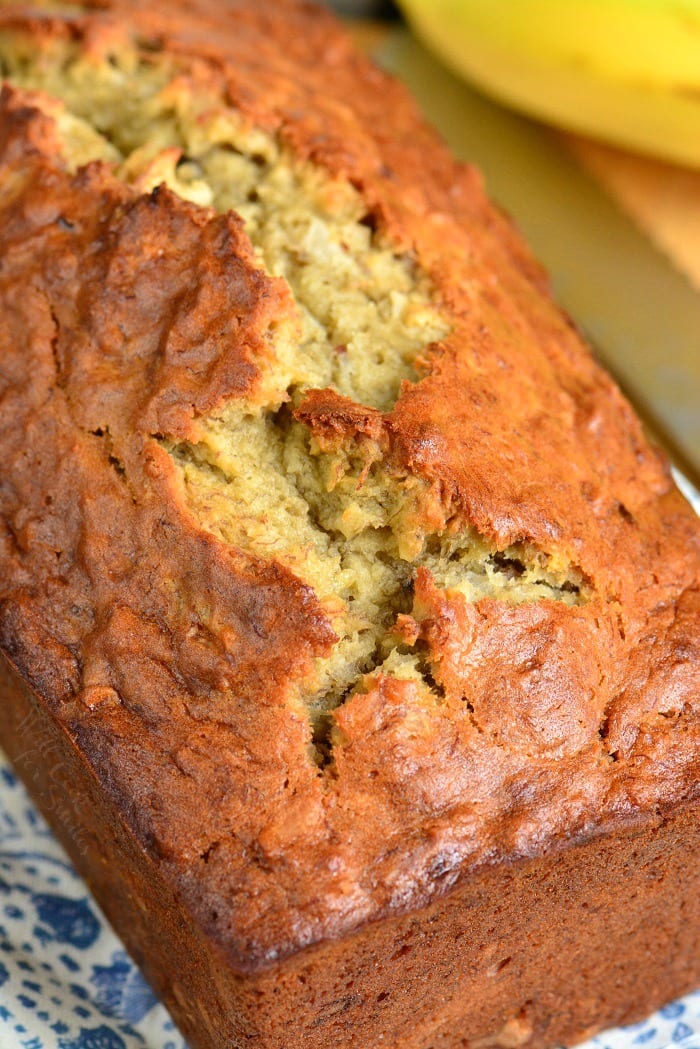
{"x": 67, "y": 983}
{"x": 65, "y": 980}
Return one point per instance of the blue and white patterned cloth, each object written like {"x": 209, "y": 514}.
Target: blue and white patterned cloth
{"x": 65, "y": 980}
{"x": 67, "y": 983}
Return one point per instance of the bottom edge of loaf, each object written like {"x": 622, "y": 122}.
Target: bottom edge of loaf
{"x": 544, "y": 952}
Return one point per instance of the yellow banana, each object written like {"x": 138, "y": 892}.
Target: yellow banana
{"x": 624, "y": 70}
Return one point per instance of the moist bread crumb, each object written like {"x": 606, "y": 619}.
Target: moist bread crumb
{"x": 362, "y": 614}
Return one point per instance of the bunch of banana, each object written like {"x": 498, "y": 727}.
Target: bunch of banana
{"x": 627, "y": 71}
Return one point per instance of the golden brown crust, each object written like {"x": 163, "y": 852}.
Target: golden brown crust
{"x": 172, "y": 658}
{"x": 535, "y": 954}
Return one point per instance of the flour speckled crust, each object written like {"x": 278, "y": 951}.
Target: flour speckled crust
{"x": 362, "y": 618}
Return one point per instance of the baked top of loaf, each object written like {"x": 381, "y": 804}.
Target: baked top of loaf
{"x": 321, "y": 532}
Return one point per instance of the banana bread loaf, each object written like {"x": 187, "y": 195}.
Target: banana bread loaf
{"x": 358, "y": 617}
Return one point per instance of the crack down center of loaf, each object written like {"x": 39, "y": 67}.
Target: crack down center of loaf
{"x": 269, "y": 474}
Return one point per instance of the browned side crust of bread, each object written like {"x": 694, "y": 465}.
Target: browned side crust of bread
{"x": 541, "y": 952}
{"x": 535, "y": 753}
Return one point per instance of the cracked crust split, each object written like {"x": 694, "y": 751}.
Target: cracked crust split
{"x": 307, "y": 478}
